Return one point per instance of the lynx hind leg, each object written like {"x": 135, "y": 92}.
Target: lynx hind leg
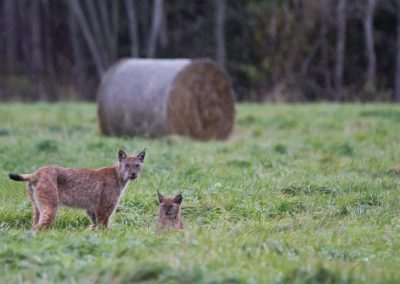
{"x": 36, "y": 213}
{"x": 46, "y": 198}
{"x": 93, "y": 218}
{"x": 36, "y": 216}
{"x": 47, "y": 216}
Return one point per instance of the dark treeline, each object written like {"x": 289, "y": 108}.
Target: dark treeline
{"x": 293, "y": 50}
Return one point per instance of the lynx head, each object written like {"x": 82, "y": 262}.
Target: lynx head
{"x": 129, "y": 167}
{"x": 170, "y": 206}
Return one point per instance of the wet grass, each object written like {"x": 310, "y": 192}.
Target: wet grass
{"x": 298, "y": 194}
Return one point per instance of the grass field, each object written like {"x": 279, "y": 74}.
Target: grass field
{"x": 298, "y": 194}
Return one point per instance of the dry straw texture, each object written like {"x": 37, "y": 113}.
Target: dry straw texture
{"x": 153, "y": 98}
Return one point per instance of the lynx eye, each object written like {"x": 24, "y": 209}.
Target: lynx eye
{"x": 137, "y": 166}
{"x": 127, "y": 166}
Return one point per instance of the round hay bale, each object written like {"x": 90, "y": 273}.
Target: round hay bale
{"x": 157, "y": 97}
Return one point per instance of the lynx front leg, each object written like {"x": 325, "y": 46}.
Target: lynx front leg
{"x": 103, "y": 216}
{"x": 103, "y": 220}
{"x": 93, "y": 218}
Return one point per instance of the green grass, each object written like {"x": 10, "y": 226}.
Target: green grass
{"x": 298, "y": 194}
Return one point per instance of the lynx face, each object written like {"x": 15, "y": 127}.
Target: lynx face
{"x": 170, "y": 205}
{"x": 130, "y": 166}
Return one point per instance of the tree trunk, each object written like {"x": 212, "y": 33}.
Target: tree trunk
{"x": 340, "y": 48}
{"x": 397, "y": 75}
{"x": 36, "y": 50}
{"x": 144, "y": 18}
{"x": 10, "y": 22}
{"x": 48, "y": 54}
{"x": 114, "y": 29}
{"x": 133, "y": 30}
{"x": 325, "y": 49}
{"x": 369, "y": 44}
{"x": 325, "y": 59}
{"x": 220, "y": 32}
{"x": 78, "y": 69}
{"x": 94, "y": 50}
{"x": 155, "y": 27}
{"x": 24, "y": 37}
{"x": 98, "y": 32}
{"x": 106, "y": 30}
{"x": 164, "y": 30}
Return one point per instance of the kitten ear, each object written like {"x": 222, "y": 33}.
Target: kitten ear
{"x": 141, "y": 155}
{"x": 160, "y": 197}
{"x": 121, "y": 155}
{"x": 178, "y": 199}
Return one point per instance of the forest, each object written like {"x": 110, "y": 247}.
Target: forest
{"x": 273, "y": 50}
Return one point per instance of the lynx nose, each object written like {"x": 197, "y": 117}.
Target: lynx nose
{"x": 133, "y": 176}
{"x": 169, "y": 210}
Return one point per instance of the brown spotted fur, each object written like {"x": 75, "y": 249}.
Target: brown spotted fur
{"x": 98, "y": 191}
{"x": 170, "y": 213}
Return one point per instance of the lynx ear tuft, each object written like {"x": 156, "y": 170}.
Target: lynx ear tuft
{"x": 121, "y": 155}
{"x": 160, "y": 197}
{"x": 142, "y": 154}
{"x": 178, "y": 199}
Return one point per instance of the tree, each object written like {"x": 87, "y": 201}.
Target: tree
{"x": 397, "y": 75}
{"x": 325, "y": 47}
{"x": 220, "y": 32}
{"x": 133, "y": 29}
{"x": 155, "y": 27}
{"x": 78, "y": 70}
{"x": 48, "y": 42}
{"x": 90, "y": 40}
{"x": 369, "y": 44}
{"x": 9, "y": 11}
{"x": 37, "y": 62}
{"x": 96, "y": 28}
{"x": 114, "y": 28}
{"x": 340, "y": 48}
{"x": 37, "y": 56}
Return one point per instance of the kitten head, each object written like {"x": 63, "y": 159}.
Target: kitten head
{"x": 129, "y": 167}
{"x": 170, "y": 206}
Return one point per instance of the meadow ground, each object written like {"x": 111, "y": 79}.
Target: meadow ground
{"x": 299, "y": 193}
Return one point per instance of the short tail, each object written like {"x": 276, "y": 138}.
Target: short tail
{"x": 18, "y": 177}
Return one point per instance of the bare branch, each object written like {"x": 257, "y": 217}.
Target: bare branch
{"x": 397, "y": 75}
{"x": 106, "y": 27}
{"x": 98, "y": 34}
{"x": 9, "y": 11}
{"x": 220, "y": 32}
{"x": 130, "y": 9}
{"x": 94, "y": 50}
{"x": 340, "y": 47}
{"x": 114, "y": 29}
{"x": 369, "y": 42}
{"x": 155, "y": 28}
